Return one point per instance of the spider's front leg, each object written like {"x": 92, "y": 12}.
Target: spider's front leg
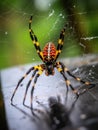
{"x": 35, "y": 40}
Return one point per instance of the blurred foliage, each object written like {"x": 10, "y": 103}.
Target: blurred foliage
{"x": 49, "y": 18}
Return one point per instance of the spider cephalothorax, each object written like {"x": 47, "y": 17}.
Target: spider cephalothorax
{"x": 49, "y": 56}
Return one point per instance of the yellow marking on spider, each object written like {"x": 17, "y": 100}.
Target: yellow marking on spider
{"x": 40, "y": 72}
{"x": 37, "y": 67}
{"x": 58, "y": 63}
{"x": 77, "y": 78}
{"x": 66, "y": 69}
{"x": 37, "y": 43}
{"x": 60, "y": 41}
{"x": 41, "y": 54}
{"x": 40, "y": 68}
{"x": 30, "y": 21}
{"x": 59, "y": 51}
{"x": 29, "y": 30}
{"x": 87, "y": 83}
{"x": 38, "y": 51}
{"x": 34, "y": 42}
{"x": 56, "y": 53}
{"x": 25, "y": 75}
{"x": 63, "y": 33}
{"x": 59, "y": 69}
{"x": 68, "y": 82}
{"x": 31, "y": 78}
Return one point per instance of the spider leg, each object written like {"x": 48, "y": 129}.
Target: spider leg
{"x": 76, "y": 78}
{"x": 60, "y": 42}
{"x": 32, "y": 90}
{"x": 68, "y": 84}
{"x": 27, "y": 87}
{"x": 35, "y": 40}
{"x": 19, "y": 84}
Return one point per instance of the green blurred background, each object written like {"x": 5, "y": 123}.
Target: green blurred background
{"x": 49, "y": 17}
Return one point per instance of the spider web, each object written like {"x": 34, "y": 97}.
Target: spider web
{"x": 49, "y": 17}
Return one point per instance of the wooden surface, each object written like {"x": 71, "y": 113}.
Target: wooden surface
{"x": 84, "y": 111}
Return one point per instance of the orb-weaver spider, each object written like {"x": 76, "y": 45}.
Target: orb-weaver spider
{"x": 49, "y": 56}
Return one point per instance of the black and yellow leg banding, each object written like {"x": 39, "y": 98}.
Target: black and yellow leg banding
{"x": 60, "y": 43}
{"x": 37, "y": 45}
{"x": 79, "y": 79}
{"x": 62, "y": 69}
{"x": 34, "y": 39}
{"x": 61, "y": 39}
{"x": 68, "y": 83}
{"x": 32, "y": 90}
{"x": 59, "y": 69}
{"x": 76, "y": 78}
{"x": 31, "y": 69}
{"x": 57, "y": 54}
{"x": 38, "y": 67}
{"x": 27, "y": 87}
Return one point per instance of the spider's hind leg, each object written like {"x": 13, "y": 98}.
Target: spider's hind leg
{"x": 87, "y": 83}
{"x": 27, "y": 87}
{"x": 32, "y": 90}
{"x": 68, "y": 83}
{"x": 19, "y": 84}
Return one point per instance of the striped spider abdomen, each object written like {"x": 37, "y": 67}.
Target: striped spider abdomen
{"x": 49, "y": 53}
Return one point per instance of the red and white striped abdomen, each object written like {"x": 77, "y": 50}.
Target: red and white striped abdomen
{"x": 49, "y": 52}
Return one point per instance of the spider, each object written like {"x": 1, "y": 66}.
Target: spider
{"x": 49, "y": 57}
